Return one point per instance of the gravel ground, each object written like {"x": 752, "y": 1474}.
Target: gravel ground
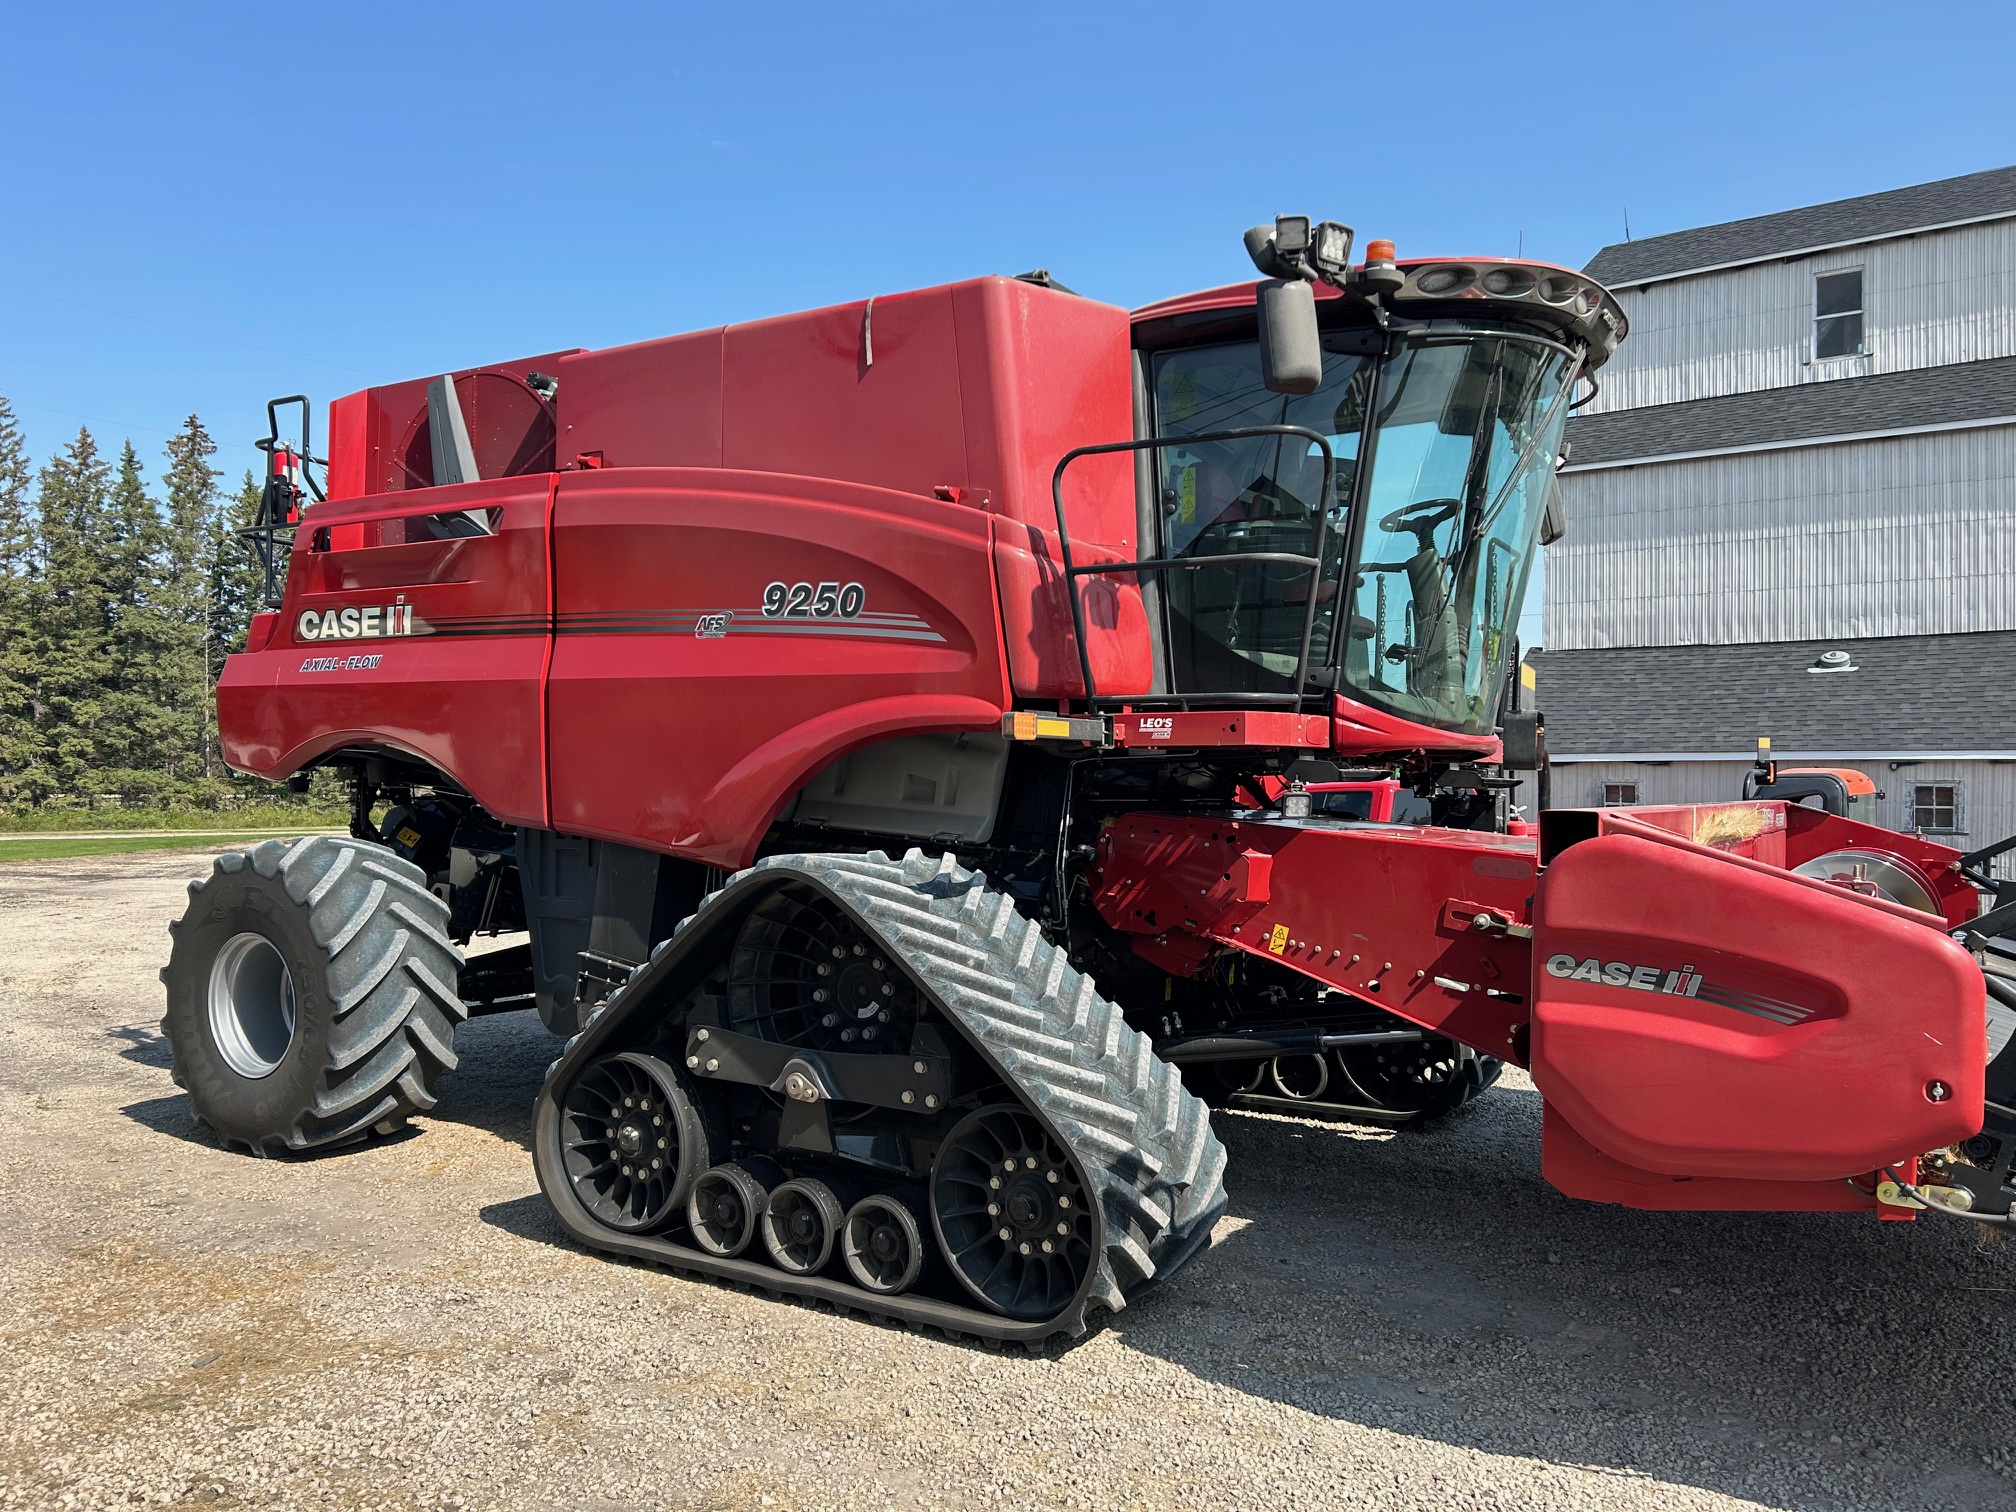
{"x": 1389, "y": 1322}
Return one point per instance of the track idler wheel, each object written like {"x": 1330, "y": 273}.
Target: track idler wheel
{"x": 1423, "y": 1080}
{"x": 1011, "y": 1214}
{"x": 723, "y": 1210}
{"x": 801, "y": 1225}
{"x": 632, "y": 1141}
{"x": 882, "y": 1245}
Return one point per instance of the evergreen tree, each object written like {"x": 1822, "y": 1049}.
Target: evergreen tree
{"x": 238, "y": 581}
{"x": 136, "y": 725}
{"x": 68, "y": 617}
{"x": 20, "y": 741}
{"x": 185, "y": 668}
{"x": 17, "y": 515}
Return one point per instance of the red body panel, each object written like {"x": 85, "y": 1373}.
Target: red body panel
{"x": 463, "y": 692}
{"x": 1815, "y": 1022}
{"x": 1361, "y": 907}
{"x": 685, "y": 733}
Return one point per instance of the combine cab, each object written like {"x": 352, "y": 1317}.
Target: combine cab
{"x": 911, "y": 735}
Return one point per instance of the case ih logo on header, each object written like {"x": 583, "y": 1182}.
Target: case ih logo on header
{"x": 1686, "y": 982}
{"x": 371, "y": 622}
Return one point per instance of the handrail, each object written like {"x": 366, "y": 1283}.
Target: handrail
{"x": 1187, "y": 564}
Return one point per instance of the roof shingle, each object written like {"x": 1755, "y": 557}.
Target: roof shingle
{"x": 1835, "y": 407}
{"x": 1909, "y": 693}
{"x": 1968, "y": 197}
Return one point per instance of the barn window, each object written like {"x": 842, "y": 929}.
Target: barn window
{"x": 1837, "y": 314}
{"x": 1935, "y": 807}
{"x": 1616, "y": 794}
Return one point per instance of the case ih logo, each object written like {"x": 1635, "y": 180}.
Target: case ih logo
{"x": 370, "y": 622}
{"x": 1686, "y": 982}
{"x": 1157, "y": 727}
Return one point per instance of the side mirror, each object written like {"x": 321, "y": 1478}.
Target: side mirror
{"x": 1553, "y": 520}
{"x": 1291, "y": 350}
{"x": 1524, "y": 733}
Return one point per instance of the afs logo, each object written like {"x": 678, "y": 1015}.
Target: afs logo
{"x": 713, "y": 626}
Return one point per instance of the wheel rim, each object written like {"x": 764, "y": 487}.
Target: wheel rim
{"x": 1011, "y": 1213}
{"x": 252, "y": 1010}
{"x": 799, "y": 1225}
{"x": 882, "y": 1245}
{"x": 802, "y": 972}
{"x": 1404, "y": 1077}
{"x": 624, "y": 1135}
{"x": 722, "y": 1210}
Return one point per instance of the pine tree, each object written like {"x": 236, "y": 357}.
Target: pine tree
{"x": 136, "y": 726}
{"x": 238, "y": 580}
{"x": 68, "y": 618}
{"x": 17, "y": 516}
{"x": 188, "y": 556}
{"x": 20, "y": 741}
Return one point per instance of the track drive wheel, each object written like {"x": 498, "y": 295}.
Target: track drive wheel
{"x": 633, "y": 1141}
{"x": 1426, "y": 1080}
{"x": 1010, "y": 1213}
{"x": 312, "y": 994}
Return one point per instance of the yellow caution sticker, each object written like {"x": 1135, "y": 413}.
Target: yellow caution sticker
{"x": 1183, "y": 396}
{"x": 408, "y": 836}
{"x": 1186, "y": 489}
{"x": 1278, "y": 940}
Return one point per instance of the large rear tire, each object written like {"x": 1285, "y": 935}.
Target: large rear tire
{"x": 312, "y": 994}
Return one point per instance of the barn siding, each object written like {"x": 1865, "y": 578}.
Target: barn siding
{"x": 1905, "y": 536}
{"x": 1948, "y": 296}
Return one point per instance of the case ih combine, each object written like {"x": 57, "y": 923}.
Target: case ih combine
{"x": 896, "y": 725}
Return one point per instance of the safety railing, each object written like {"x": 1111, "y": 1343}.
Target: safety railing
{"x": 1165, "y": 564}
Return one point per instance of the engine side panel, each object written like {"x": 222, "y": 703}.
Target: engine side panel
{"x": 685, "y": 708}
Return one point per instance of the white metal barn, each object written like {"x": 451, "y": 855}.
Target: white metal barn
{"x": 1789, "y": 513}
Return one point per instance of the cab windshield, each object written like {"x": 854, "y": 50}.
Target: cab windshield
{"x": 1461, "y": 448}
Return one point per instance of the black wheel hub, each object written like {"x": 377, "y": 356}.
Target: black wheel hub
{"x": 622, "y": 1141}
{"x": 1011, "y": 1213}
{"x": 803, "y": 973}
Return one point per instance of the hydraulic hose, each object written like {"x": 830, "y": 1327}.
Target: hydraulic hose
{"x": 1998, "y": 1220}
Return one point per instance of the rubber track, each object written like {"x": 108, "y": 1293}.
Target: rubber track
{"x": 1143, "y": 1141}
{"x": 392, "y": 978}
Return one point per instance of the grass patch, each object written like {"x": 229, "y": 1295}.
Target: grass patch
{"x": 248, "y": 816}
{"x": 32, "y": 849}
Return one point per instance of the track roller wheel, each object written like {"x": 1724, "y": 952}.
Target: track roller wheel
{"x": 1425, "y": 1080}
{"x": 801, "y": 1224}
{"x": 724, "y": 1206}
{"x": 1011, "y": 1213}
{"x": 1303, "y": 1077}
{"x": 632, "y": 1140}
{"x": 882, "y": 1245}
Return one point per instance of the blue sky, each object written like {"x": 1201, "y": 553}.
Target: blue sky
{"x": 206, "y": 206}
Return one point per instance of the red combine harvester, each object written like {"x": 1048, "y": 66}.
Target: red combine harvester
{"x": 896, "y": 727}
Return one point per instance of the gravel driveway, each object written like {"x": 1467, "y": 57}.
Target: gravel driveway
{"x": 1390, "y": 1322}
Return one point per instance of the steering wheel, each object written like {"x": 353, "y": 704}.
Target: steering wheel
{"x": 1421, "y": 519}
